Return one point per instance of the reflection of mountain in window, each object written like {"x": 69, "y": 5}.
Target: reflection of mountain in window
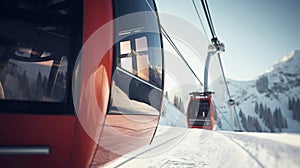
{"x": 33, "y": 65}
{"x": 29, "y": 80}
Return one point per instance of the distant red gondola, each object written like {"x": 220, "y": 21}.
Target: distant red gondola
{"x": 200, "y": 111}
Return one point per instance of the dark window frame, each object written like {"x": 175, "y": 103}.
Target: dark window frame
{"x": 136, "y": 80}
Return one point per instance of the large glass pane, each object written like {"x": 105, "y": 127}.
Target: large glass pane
{"x": 138, "y": 75}
{"x": 34, "y": 50}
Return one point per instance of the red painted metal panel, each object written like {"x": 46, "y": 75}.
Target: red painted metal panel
{"x": 37, "y": 130}
{"x": 122, "y": 134}
{"x": 96, "y": 71}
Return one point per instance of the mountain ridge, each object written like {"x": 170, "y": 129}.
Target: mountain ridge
{"x": 273, "y": 89}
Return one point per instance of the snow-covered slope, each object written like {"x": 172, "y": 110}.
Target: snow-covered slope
{"x": 179, "y": 147}
{"x": 271, "y": 90}
{"x": 171, "y": 116}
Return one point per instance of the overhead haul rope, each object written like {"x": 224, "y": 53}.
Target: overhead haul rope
{"x": 166, "y": 35}
{"x": 208, "y": 17}
{"x": 198, "y": 15}
{"x": 220, "y": 113}
{"x": 230, "y": 101}
{"x": 220, "y": 47}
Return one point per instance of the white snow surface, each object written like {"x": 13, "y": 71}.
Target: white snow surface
{"x": 175, "y": 147}
{"x": 172, "y": 116}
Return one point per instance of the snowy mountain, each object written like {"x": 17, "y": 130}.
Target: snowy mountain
{"x": 171, "y": 116}
{"x": 269, "y": 103}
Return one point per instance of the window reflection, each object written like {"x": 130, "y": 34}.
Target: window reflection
{"x": 141, "y": 44}
{"x": 135, "y": 58}
{"x": 138, "y": 77}
{"x": 33, "y": 61}
{"x": 125, "y": 47}
{"x": 143, "y": 67}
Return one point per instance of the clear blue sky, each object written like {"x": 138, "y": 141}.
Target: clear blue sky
{"x": 256, "y": 33}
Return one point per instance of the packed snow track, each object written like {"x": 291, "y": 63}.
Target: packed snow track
{"x": 182, "y": 148}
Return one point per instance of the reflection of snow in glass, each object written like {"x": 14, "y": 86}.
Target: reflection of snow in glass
{"x": 124, "y": 105}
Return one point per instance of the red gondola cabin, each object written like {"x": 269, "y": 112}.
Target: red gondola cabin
{"x": 81, "y": 81}
{"x": 200, "y": 112}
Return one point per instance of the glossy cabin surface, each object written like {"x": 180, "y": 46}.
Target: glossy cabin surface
{"x": 117, "y": 105}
